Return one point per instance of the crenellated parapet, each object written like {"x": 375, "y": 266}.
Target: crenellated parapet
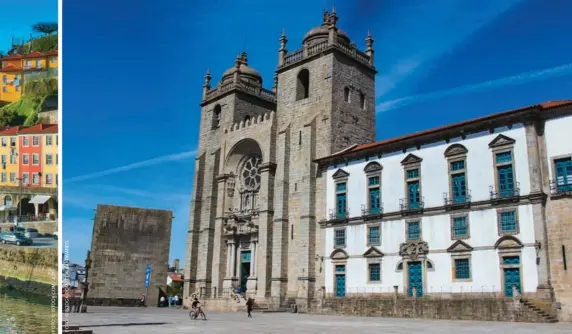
{"x": 265, "y": 119}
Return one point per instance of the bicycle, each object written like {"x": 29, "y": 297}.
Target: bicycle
{"x": 194, "y": 315}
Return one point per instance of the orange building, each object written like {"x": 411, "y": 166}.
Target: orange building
{"x": 17, "y": 69}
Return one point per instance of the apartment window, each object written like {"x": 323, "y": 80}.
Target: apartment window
{"x": 4, "y": 78}
{"x": 35, "y": 141}
{"x": 49, "y": 140}
{"x": 25, "y": 159}
{"x": 374, "y": 272}
{"x": 13, "y": 158}
{"x": 340, "y": 237}
{"x": 460, "y": 227}
{"x": 413, "y": 230}
{"x": 3, "y": 160}
{"x": 13, "y": 177}
{"x": 57, "y": 155}
{"x": 56, "y": 178}
{"x": 53, "y": 60}
{"x": 13, "y": 141}
{"x": 4, "y": 141}
{"x": 5, "y": 89}
{"x": 25, "y": 178}
{"x": 4, "y": 179}
{"x": 49, "y": 159}
{"x": 38, "y": 64}
{"x": 563, "y": 173}
{"x": 35, "y": 159}
{"x": 35, "y": 178}
{"x": 373, "y": 235}
{"x": 28, "y": 64}
{"x": 508, "y": 223}
{"x": 413, "y": 188}
{"x": 25, "y": 141}
{"x": 341, "y": 199}
{"x": 374, "y": 191}
{"x": 505, "y": 174}
{"x": 462, "y": 269}
{"x": 49, "y": 179}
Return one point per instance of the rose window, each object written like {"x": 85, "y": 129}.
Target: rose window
{"x": 251, "y": 173}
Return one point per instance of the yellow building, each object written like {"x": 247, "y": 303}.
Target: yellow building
{"x": 50, "y": 159}
{"x": 17, "y": 69}
{"x": 9, "y": 157}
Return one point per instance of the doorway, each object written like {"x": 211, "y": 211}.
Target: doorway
{"x": 244, "y": 269}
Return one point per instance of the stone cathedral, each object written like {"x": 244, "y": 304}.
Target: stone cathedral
{"x": 258, "y": 195}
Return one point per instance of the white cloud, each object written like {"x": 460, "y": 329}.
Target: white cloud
{"x": 135, "y": 165}
{"x": 518, "y": 79}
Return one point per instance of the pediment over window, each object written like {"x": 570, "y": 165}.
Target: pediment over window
{"x": 459, "y": 246}
{"x": 339, "y": 254}
{"x": 455, "y": 149}
{"x": 508, "y": 242}
{"x": 501, "y": 140}
{"x": 411, "y": 159}
{"x": 373, "y": 252}
{"x": 340, "y": 174}
{"x": 372, "y": 167}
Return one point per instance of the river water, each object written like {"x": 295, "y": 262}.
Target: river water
{"x": 22, "y": 315}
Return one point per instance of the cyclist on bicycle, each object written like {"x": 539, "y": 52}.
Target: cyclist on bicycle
{"x": 197, "y": 306}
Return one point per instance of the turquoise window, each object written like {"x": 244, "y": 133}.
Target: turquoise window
{"x": 374, "y": 201}
{"x": 413, "y": 230}
{"x": 341, "y": 200}
{"x": 340, "y": 237}
{"x": 504, "y": 157}
{"x": 373, "y": 235}
{"x": 506, "y": 181}
{"x": 563, "y": 170}
{"x": 413, "y": 173}
{"x": 508, "y": 221}
{"x": 340, "y": 187}
{"x": 374, "y": 272}
{"x": 457, "y": 165}
{"x": 413, "y": 194}
{"x": 460, "y": 227}
{"x": 340, "y": 268}
{"x": 511, "y": 260}
{"x": 462, "y": 269}
{"x": 373, "y": 181}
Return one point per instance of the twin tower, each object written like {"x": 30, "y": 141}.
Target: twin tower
{"x": 257, "y": 194}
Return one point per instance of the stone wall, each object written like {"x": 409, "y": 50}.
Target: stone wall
{"x": 559, "y": 226}
{"x": 47, "y": 227}
{"x": 33, "y": 270}
{"x": 125, "y": 240}
{"x": 479, "y": 309}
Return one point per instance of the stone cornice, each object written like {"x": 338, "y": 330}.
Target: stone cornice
{"x": 267, "y": 167}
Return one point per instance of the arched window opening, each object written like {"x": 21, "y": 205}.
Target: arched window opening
{"x": 246, "y": 119}
{"x": 347, "y": 94}
{"x": 303, "y": 85}
{"x": 216, "y": 116}
{"x": 362, "y": 100}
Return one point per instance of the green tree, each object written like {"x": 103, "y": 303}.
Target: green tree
{"x": 47, "y": 28}
{"x": 8, "y": 117}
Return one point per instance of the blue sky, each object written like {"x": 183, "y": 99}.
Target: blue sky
{"x": 134, "y": 70}
{"x": 17, "y": 18}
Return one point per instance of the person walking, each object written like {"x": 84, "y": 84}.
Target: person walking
{"x": 176, "y": 300}
{"x": 249, "y": 306}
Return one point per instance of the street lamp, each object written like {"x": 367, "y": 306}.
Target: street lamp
{"x": 85, "y": 283}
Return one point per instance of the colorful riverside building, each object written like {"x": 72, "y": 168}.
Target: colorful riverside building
{"x": 17, "y": 69}
{"x": 30, "y": 175}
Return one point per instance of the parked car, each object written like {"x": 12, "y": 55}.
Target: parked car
{"x": 31, "y": 233}
{"x": 55, "y": 234}
{"x": 17, "y": 239}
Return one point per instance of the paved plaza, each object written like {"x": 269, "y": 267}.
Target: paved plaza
{"x": 153, "y": 320}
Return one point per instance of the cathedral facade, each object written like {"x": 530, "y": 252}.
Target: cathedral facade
{"x": 257, "y": 195}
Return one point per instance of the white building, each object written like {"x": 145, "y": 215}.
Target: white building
{"x": 459, "y": 208}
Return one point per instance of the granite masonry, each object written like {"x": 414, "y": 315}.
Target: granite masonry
{"x": 126, "y": 240}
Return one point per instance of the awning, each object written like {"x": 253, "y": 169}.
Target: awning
{"x": 7, "y": 208}
{"x": 39, "y": 199}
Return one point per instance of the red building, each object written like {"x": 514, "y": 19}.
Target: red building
{"x": 30, "y": 156}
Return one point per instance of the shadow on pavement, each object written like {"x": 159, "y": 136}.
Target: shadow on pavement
{"x": 127, "y": 324}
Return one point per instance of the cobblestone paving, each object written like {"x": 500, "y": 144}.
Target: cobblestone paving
{"x": 152, "y": 320}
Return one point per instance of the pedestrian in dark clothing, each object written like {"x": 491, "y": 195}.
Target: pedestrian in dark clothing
{"x": 249, "y": 305}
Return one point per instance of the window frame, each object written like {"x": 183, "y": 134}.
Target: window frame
{"x": 27, "y": 157}
{"x": 368, "y": 236}
{"x": 461, "y": 256}
{"x": 369, "y": 265}
{"x": 467, "y": 222}
{"x": 336, "y": 246}
{"x": 499, "y": 221}
{"x": 503, "y": 144}
{"x": 553, "y": 167}
{"x": 35, "y": 141}
{"x": 407, "y": 224}
{"x": 25, "y": 177}
{"x": 25, "y": 141}
{"x": 50, "y": 161}
{"x": 37, "y": 176}
{"x": 35, "y": 156}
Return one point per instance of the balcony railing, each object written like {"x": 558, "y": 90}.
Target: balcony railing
{"x": 367, "y": 211}
{"x": 31, "y": 218}
{"x": 505, "y": 192}
{"x": 406, "y": 205}
{"x": 560, "y": 187}
{"x": 334, "y": 214}
{"x": 451, "y": 200}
